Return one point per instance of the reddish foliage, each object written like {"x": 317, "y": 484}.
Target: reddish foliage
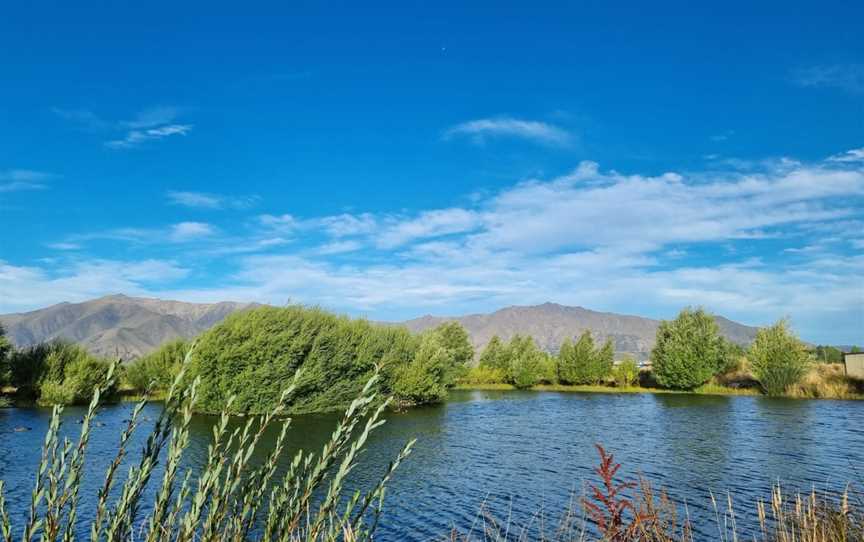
{"x": 608, "y": 504}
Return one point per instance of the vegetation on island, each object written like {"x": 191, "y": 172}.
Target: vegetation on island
{"x": 690, "y": 355}
{"x": 254, "y": 354}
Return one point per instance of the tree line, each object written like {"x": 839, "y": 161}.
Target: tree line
{"x": 253, "y": 354}
{"x": 688, "y": 353}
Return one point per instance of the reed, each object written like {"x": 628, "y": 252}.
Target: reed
{"x": 231, "y": 500}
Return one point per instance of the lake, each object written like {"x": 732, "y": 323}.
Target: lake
{"x": 521, "y": 450}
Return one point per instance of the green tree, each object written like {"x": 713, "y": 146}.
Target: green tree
{"x": 688, "y": 352}
{"x": 5, "y": 355}
{"x": 583, "y": 360}
{"x": 603, "y": 361}
{"x": 567, "y": 369}
{"x": 525, "y": 362}
{"x": 778, "y": 359}
{"x": 460, "y": 352}
{"x": 157, "y": 369}
{"x": 58, "y": 373}
{"x": 255, "y": 354}
{"x": 495, "y": 355}
{"x": 855, "y": 350}
{"x": 626, "y": 372}
{"x": 423, "y": 380}
{"x": 828, "y": 354}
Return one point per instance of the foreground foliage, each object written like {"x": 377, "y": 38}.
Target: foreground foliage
{"x": 229, "y": 499}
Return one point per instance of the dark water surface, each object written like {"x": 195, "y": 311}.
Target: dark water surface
{"x": 524, "y": 450}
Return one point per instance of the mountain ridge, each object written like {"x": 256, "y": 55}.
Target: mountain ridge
{"x": 129, "y": 327}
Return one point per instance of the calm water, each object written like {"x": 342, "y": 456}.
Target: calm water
{"x": 527, "y": 449}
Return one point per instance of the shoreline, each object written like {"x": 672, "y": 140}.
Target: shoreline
{"x": 704, "y": 390}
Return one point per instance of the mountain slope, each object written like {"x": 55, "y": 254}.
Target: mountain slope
{"x": 130, "y": 326}
{"x": 117, "y": 324}
{"x": 551, "y": 323}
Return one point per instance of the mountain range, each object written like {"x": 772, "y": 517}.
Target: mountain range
{"x": 117, "y": 325}
{"x": 133, "y": 326}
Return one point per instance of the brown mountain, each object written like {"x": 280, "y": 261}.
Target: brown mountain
{"x": 551, "y": 323}
{"x": 116, "y": 324}
{"x": 133, "y": 326}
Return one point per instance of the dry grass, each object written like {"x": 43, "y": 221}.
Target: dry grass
{"x": 828, "y": 381}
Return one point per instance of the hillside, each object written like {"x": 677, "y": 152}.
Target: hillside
{"x": 551, "y": 323}
{"x": 132, "y": 326}
{"x": 116, "y": 324}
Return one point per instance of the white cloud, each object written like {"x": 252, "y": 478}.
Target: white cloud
{"x": 853, "y": 155}
{"x": 151, "y": 117}
{"x": 64, "y": 246}
{"x": 13, "y": 180}
{"x": 136, "y": 137}
{"x": 188, "y": 231}
{"x": 644, "y": 244}
{"x": 205, "y": 200}
{"x": 481, "y": 129}
{"x": 25, "y": 288}
{"x": 428, "y": 224}
{"x": 150, "y": 124}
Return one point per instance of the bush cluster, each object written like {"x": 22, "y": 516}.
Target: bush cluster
{"x": 690, "y": 351}
{"x": 522, "y": 364}
{"x": 582, "y": 363}
{"x": 157, "y": 369}
{"x": 57, "y": 372}
{"x": 253, "y": 355}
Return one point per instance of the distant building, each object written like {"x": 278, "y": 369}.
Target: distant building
{"x": 854, "y": 364}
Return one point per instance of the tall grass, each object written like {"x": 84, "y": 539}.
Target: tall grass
{"x": 231, "y": 500}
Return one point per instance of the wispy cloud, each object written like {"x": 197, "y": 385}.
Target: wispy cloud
{"x": 206, "y": 200}
{"x": 187, "y": 231}
{"x": 481, "y": 129}
{"x": 853, "y": 155}
{"x": 14, "y": 180}
{"x": 848, "y": 77}
{"x": 636, "y": 243}
{"x": 25, "y": 287}
{"x": 135, "y": 138}
{"x": 151, "y": 124}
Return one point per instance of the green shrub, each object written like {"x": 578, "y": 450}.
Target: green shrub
{"x": 525, "y": 362}
{"x": 454, "y": 339}
{"x": 58, "y": 373}
{"x": 485, "y": 375}
{"x": 5, "y": 358}
{"x": 626, "y": 372}
{"x": 777, "y": 358}
{"x": 495, "y": 355}
{"x": 548, "y": 370}
{"x": 423, "y": 380}
{"x": 55, "y": 393}
{"x": 255, "y": 354}
{"x": 157, "y": 368}
{"x": 689, "y": 350}
{"x": 581, "y": 363}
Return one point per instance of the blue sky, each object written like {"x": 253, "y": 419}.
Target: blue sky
{"x": 410, "y": 157}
